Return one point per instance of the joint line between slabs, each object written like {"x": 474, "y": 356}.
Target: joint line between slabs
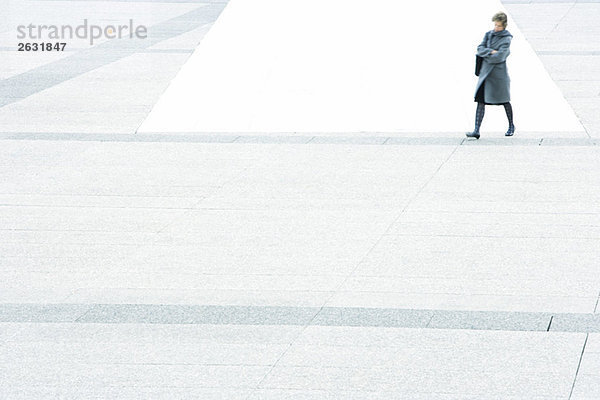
{"x": 305, "y": 326}
{"x": 429, "y": 322}
{"x": 337, "y": 289}
{"x": 187, "y": 211}
{"x": 578, "y": 365}
{"x": 275, "y": 364}
{"x": 86, "y": 312}
{"x": 561, "y": 19}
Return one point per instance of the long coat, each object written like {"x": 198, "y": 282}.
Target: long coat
{"x": 493, "y": 69}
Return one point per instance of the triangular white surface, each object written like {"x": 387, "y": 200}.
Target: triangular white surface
{"x": 352, "y": 66}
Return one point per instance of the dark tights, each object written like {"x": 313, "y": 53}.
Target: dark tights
{"x": 481, "y": 112}
{"x": 508, "y": 109}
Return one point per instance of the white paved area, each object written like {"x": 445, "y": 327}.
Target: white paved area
{"x": 394, "y": 66}
{"x": 226, "y": 266}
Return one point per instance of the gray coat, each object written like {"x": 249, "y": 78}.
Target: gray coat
{"x": 493, "y": 68}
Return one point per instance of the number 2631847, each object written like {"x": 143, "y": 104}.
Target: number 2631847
{"x": 43, "y": 46}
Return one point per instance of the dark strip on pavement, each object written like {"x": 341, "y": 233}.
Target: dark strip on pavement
{"x": 286, "y": 138}
{"x": 303, "y": 316}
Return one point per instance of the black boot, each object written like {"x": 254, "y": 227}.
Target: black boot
{"x": 478, "y": 119}
{"x": 509, "y": 116}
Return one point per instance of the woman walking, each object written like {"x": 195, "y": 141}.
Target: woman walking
{"x": 493, "y": 87}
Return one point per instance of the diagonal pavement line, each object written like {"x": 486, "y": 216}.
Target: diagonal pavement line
{"x": 408, "y": 203}
{"x": 289, "y": 347}
{"x": 188, "y": 210}
{"x": 20, "y": 86}
{"x": 578, "y": 366}
{"x": 563, "y": 17}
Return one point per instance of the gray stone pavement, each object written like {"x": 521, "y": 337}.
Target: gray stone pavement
{"x": 276, "y": 266}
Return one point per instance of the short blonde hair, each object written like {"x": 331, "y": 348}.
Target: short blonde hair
{"x": 500, "y": 17}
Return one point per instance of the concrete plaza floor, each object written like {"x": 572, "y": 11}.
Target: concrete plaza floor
{"x": 231, "y": 266}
